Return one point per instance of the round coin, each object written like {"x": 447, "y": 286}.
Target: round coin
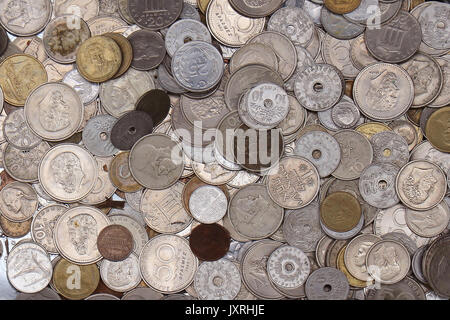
{"x": 183, "y": 31}
{"x": 263, "y": 8}
{"x": 148, "y": 49}
{"x": 327, "y": 284}
{"x": 437, "y": 129}
{"x": 43, "y": 225}
{"x": 18, "y": 201}
{"x": 355, "y": 255}
{"x": 115, "y": 242}
{"x": 121, "y": 276}
{"x": 406, "y": 289}
{"x": 209, "y": 242}
{"x": 341, "y": 7}
{"x": 208, "y": 204}
{"x": 154, "y": 14}
{"x": 97, "y": 136}
{"x": 120, "y": 175}
{"x": 18, "y": 133}
{"x": 340, "y": 211}
{"x": 125, "y": 49}
{"x": 389, "y": 147}
{"x": 130, "y": 128}
{"x": 428, "y": 223}
{"x": 156, "y": 103}
{"x": 87, "y": 91}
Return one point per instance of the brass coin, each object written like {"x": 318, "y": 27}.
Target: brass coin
{"x": 73, "y": 281}
{"x": 203, "y": 5}
{"x": 120, "y": 174}
{"x": 371, "y": 128}
{"x": 354, "y": 282}
{"x": 341, "y": 7}
{"x": 99, "y": 59}
{"x": 414, "y": 115}
{"x": 349, "y": 88}
{"x": 125, "y": 49}
{"x": 15, "y": 229}
{"x": 437, "y": 129}
{"x": 19, "y": 75}
{"x": 340, "y": 211}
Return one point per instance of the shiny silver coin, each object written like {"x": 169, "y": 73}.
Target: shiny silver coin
{"x": 97, "y": 136}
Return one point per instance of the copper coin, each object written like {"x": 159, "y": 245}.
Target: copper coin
{"x": 125, "y": 48}
{"x": 130, "y": 128}
{"x": 3, "y": 40}
{"x": 120, "y": 174}
{"x": 115, "y": 243}
{"x": 149, "y": 49}
{"x": 15, "y": 229}
{"x": 209, "y": 242}
{"x": 156, "y": 103}
{"x": 5, "y": 179}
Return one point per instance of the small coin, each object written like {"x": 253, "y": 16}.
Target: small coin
{"x": 208, "y": 204}
{"x": 406, "y": 130}
{"x": 154, "y": 15}
{"x": 120, "y": 174}
{"x": 437, "y": 128}
{"x": 340, "y": 211}
{"x": 363, "y": 14}
{"x": 212, "y": 173}
{"x": 140, "y": 236}
{"x": 355, "y": 255}
{"x": 389, "y": 147}
{"x": 115, "y": 243}
{"x": 148, "y": 49}
{"x": 121, "y": 276}
{"x": 43, "y": 224}
{"x": 97, "y": 136}
{"x": 263, "y": 9}
{"x": 87, "y": 91}
{"x": 295, "y": 118}
{"x": 345, "y": 114}
{"x": 183, "y": 31}
{"x": 327, "y": 284}
{"x": 156, "y": 103}
{"x": 209, "y": 242}
{"x": 105, "y": 24}
{"x": 338, "y": 53}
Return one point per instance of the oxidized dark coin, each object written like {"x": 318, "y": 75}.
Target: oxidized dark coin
{"x": 209, "y": 242}
{"x": 130, "y": 128}
{"x": 3, "y": 40}
{"x": 115, "y": 243}
{"x": 149, "y": 49}
{"x": 156, "y": 103}
{"x": 155, "y": 14}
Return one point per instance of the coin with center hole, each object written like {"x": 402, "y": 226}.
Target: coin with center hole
{"x": 209, "y": 242}
{"x": 130, "y": 128}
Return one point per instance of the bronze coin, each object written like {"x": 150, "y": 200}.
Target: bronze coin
{"x": 15, "y": 229}
{"x": 120, "y": 174}
{"x": 414, "y": 115}
{"x": 209, "y": 242}
{"x": 130, "y": 128}
{"x": 5, "y": 179}
{"x": 126, "y": 49}
{"x": 340, "y": 211}
{"x": 155, "y": 14}
{"x": 156, "y": 103}
{"x": 149, "y": 49}
{"x": 115, "y": 242}
{"x": 3, "y": 40}
{"x": 424, "y": 116}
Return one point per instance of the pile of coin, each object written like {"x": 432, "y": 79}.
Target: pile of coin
{"x": 224, "y": 149}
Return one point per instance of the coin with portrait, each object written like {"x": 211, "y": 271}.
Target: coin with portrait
{"x": 18, "y": 201}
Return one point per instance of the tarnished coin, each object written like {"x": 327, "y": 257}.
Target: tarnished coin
{"x": 121, "y": 276}
{"x": 209, "y": 242}
{"x": 208, "y": 204}
{"x": 105, "y": 23}
{"x": 18, "y": 201}
{"x": 293, "y": 22}
{"x": 421, "y": 185}
{"x": 212, "y": 173}
{"x": 28, "y": 267}
{"x": 163, "y": 209}
{"x": 364, "y": 13}
{"x": 443, "y": 98}
{"x": 343, "y": 235}
{"x": 429, "y": 223}
{"x": 76, "y": 233}
{"x": 99, "y": 59}
{"x": 359, "y": 54}
{"x": 383, "y": 91}
{"x": 355, "y": 255}
{"x": 256, "y": 10}
{"x": 126, "y": 50}
{"x": 25, "y": 18}
{"x": 130, "y": 128}
{"x": 254, "y": 53}
{"x": 406, "y": 130}
{"x": 44, "y": 295}
{"x": 43, "y": 225}
{"x": 18, "y": 133}
{"x": 86, "y": 9}
{"x": 389, "y": 147}
{"x": 345, "y": 114}
{"x": 377, "y": 185}
{"x": 97, "y": 136}
{"x": 68, "y": 172}
{"x": 340, "y": 211}
{"x": 341, "y": 7}
{"x": 153, "y": 14}
{"x": 197, "y": 66}
{"x": 294, "y": 183}
{"x": 339, "y": 27}
{"x": 406, "y": 289}
{"x": 120, "y": 174}
{"x": 148, "y": 49}
{"x": 434, "y": 25}
{"x": 319, "y": 87}
{"x": 156, "y": 103}
{"x": 115, "y": 242}
{"x": 63, "y": 36}
{"x": 321, "y": 149}
{"x": 87, "y": 91}
{"x": 104, "y": 188}
{"x": 4, "y": 41}
{"x": 388, "y": 262}
{"x": 183, "y": 31}
{"x": 253, "y": 214}
{"x": 337, "y": 53}
{"x": 217, "y": 280}
{"x": 435, "y": 261}
{"x": 167, "y": 263}
{"x": 396, "y": 41}
{"x": 64, "y": 275}
{"x": 327, "y": 284}
{"x": 425, "y": 151}
{"x": 295, "y": 119}
{"x": 140, "y": 236}
{"x": 437, "y": 129}
{"x": 20, "y": 74}
{"x": 14, "y": 229}
{"x": 228, "y": 26}
{"x": 156, "y": 161}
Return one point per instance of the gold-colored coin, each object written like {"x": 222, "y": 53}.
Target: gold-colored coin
{"x": 99, "y": 59}
{"x": 75, "y": 282}
{"x": 415, "y": 3}
{"x": 341, "y": 6}
{"x": 120, "y": 175}
{"x": 203, "y": 5}
{"x": 19, "y": 75}
{"x": 413, "y": 115}
{"x": 371, "y": 128}
{"x": 340, "y": 211}
{"x": 126, "y": 50}
{"x": 15, "y": 229}
{"x": 354, "y": 282}
{"x": 349, "y": 88}
{"x": 437, "y": 129}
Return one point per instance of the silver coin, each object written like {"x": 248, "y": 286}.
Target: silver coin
{"x": 345, "y": 114}
{"x": 183, "y": 31}
{"x": 102, "y": 296}
{"x": 337, "y": 53}
{"x": 339, "y": 27}
{"x": 142, "y": 294}
{"x": 406, "y": 130}
{"x": 217, "y": 280}
{"x": 301, "y": 227}
{"x": 18, "y": 133}
{"x": 327, "y": 284}
{"x": 197, "y": 66}
{"x": 377, "y": 185}
{"x": 121, "y": 276}
{"x": 435, "y": 29}
{"x": 208, "y": 204}
{"x": 429, "y": 223}
{"x": 326, "y": 119}
{"x": 213, "y": 173}
{"x": 355, "y": 255}
{"x": 288, "y": 267}
{"x": 254, "y": 53}
{"x": 87, "y": 91}
{"x": 45, "y": 294}
{"x": 167, "y": 82}
{"x": 156, "y": 161}
{"x": 295, "y": 119}
{"x": 43, "y": 225}
{"x": 304, "y": 61}
{"x": 389, "y": 147}
{"x": 406, "y": 289}
{"x": 383, "y": 91}
{"x": 242, "y": 179}
{"x": 140, "y": 235}
{"x": 104, "y": 188}
{"x": 97, "y": 136}
{"x": 134, "y": 199}
{"x": 425, "y": 151}
{"x": 293, "y": 22}
{"x": 18, "y": 201}
{"x": 443, "y": 98}
{"x": 359, "y": 54}
{"x": 319, "y": 87}
{"x": 322, "y": 249}
{"x": 402, "y": 238}
{"x": 321, "y": 149}
{"x": 343, "y": 235}
{"x": 367, "y": 13}
{"x": 416, "y": 264}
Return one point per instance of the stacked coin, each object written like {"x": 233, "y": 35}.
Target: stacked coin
{"x": 224, "y": 149}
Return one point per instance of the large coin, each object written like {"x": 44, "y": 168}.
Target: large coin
{"x": 428, "y": 223}
{"x": 68, "y": 172}
{"x": 76, "y": 233}
{"x": 338, "y": 53}
{"x": 435, "y": 28}
{"x": 437, "y": 257}
{"x": 148, "y": 49}
{"x": 155, "y": 14}
{"x": 340, "y": 212}
{"x": 355, "y": 255}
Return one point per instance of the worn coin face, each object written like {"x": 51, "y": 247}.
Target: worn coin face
{"x": 148, "y": 49}
{"x": 17, "y": 132}
{"x": 434, "y": 25}
{"x": 341, "y": 7}
{"x": 208, "y": 204}
{"x": 389, "y": 147}
{"x": 68, "y": 172}
{"x": 386, "y": 86}
{"x": 429, "y": 223}
{"x": 435, "y": 257}
{"x": 120, "y": 174}
{"x": 143, "y": 293}
{"x": 421, "y": 185}
{"x": 63, "y": 36}
{"x": 14, "y": 229}
{"x": 104, "y": 188}
{"x": 153, "y": 14}
{"x": 140, "y": 236}
{"x": 258, "y": 9}
{"x": 18, "y": 201}
{"x": 355, "y": 255}
{"x": 294, "y": 22}
{"x": 121, "y": 276}
{"x": 156, "y": 161}
{"x": 167, "y": 264}
{"x": 87, "y": 91}
{"x": 130, "y": 128}
{"x": 254, "y": 53}
{"x": 359, "y": 54}
{"x": 363, "y": 14}
{"x": 126, "y": 50}
{"x": 443, "y": 98}
{"x": 406, "y": 289}
{"x": 337, "y": 53}
{"x": 209, "y": 242}
{"x": 183, "y": 31}
{"x": 437, "y": 128}
{"x": 86, "y": 9}
{"x": 43, "y": 226}
{"x": 388, "y": 261}
{"x": 115, "y": 242}
{"x": 327, "y": 284}
{"x": 340, "y": 211}
{"x": 28, "y": 267}
{"x": 97, "y": 136}
{"x": 54, "y": 111}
